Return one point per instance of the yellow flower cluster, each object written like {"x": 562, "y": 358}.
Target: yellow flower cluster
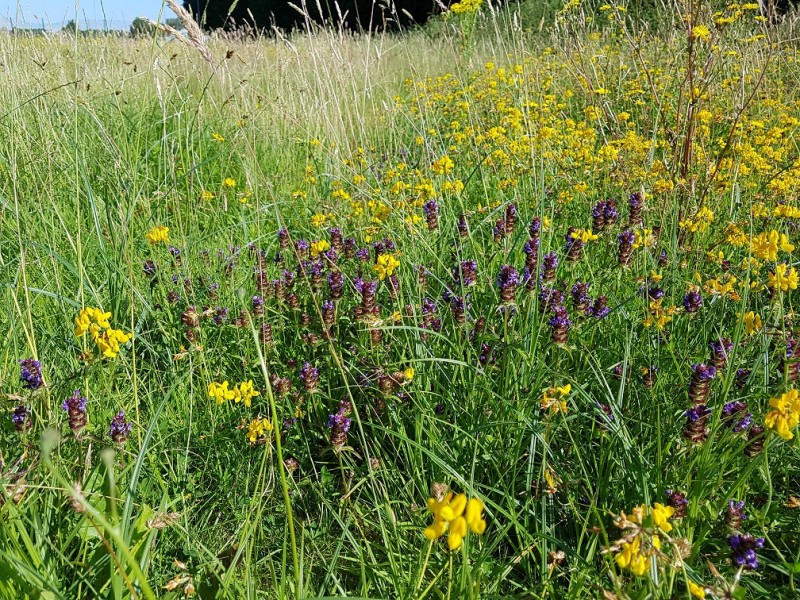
{"x": 158, "y": 234}
{"x": 257, "y": 429}
{"x": 784, "y": 278}
{"x": 724, "y": 286}
{"x": 385, "y": 266}
{"x": 319, "y": 247}
{"x": 443, "y": 165}
{"x": 242, "y": 392}
{"x": 752, "y": 323}
{"x": 786, "y": 414}
{"x": 766, "y": 245}
{"x": 455, "y": 514}
{"x": 583, "y": 235}
{"x": 554, "y": 399}
{"x": 466, "y": 7}
{"x": 701, "y": 32}
{"x": 635, "y": 550}
{"x": 658, "y": 315}
{"x": 643, "y": 238}
{"x": 785, "y": 211}
{"x": 320, "y": 219}
{"x": 96, "y": 322}
{"x": 700, "y": 222}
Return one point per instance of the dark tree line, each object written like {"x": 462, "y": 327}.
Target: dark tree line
{"x": 353, "y": 14}
{"x": 367, "y": 15}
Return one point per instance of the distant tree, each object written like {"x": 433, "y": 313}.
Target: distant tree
{"x": 141, "y": 27}
{"x": 70, "y": 27}
{"x": 175, "y": 23}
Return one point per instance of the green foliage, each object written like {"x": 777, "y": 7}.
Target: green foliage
{"x": 316, "y": 131}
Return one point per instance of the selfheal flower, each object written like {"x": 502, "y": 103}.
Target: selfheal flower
{"x": 700, "y": 383}
{"x": 742, "y": 375}
{"x": 549, "y": 266}
{"x": 599, "y": 216}
{"x": 610, "y": 212}
{"x": 635, "y": 205}
{"x": 625, "y": 242}
{"x": 20, "y": 418}
{"x": 339, "y": 424}
{"x": 310, "y": 377}
{"x": 735, "y": 415}
{"x": 600, "y": 308}
{"x": 283, "y": 238}
{"x": 693, "y": 301}
{"x": 120, "y": 428}
{"x": 466, "y": 273}
{"x": 431, "y": 209}
{"x": 531, "y": 250}
{"x": 463, "y": 227}
{"x": 580, "y": 297}
{"x": 507, "y": 281}
{"x": 735, "y": 514}
{"x": 149, "y": 268}
{"x": 459, "y": 307}
{"x": 75, "y": 405}
{"x": 258, "y": 305}
{"x": 31, "y": 373}
{"x": 744, "y": 548}
{"x": 549, "y": 298}
{"x": 695, "y": 429}
{"x": 220, "y": 315}
{"x": 721, "y": 350}
{"x": 362, "y": 254}
{"x": 535, "y": 228}
{"x": 678, "y": 501}
{"x": 560, "y": 323}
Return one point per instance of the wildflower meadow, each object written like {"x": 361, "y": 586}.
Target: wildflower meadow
{"x": 499, "y": 307}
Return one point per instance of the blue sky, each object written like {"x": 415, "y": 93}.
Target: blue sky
{"x": 118, "y": 14}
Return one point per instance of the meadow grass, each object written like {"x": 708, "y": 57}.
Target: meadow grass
{"x": 551, "y": 271}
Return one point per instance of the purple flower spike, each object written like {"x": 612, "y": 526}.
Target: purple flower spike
{"x": 120, "y": 428}
{"x": 744, "y": 548}
{"x": 31, "y": 373}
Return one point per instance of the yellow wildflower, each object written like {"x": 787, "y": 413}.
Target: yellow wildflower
{"x": 584, "y": 235}
{"x": 229, "y": 182}
{"x": 660, "y": 515}
{"x": 319, "y": 247}
{"x": 385, "y": 266}
{"x": 456, "y": 515}
{"x": 752, "y": 323}
{"x": 786, "y": 414}
{"x": 554, "y": 399}
{"x": 631, "y": 558}
{"x": 257, "y": 428}
{"x": 697, "y": 591}
{"x": 701, "y": 32}
{"x": 318, "y": 220}
{"x": 766, "y": 245}
{"x": 443, "y": 165}
{"x": 220, "y": 392}
{"x": 158, "y": 234}
{"x": 217, "y": 137}
{"x": 245, "y": 392}
{"x": 784, "y": 278}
